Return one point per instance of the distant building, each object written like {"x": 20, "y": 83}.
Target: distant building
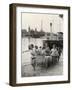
{"x": 24, "y": 32}
{"x": 51, "y": 36}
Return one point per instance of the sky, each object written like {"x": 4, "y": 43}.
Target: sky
{"x": 34, "y": 21}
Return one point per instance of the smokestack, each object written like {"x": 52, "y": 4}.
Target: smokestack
{"x": 51, "y": 30}
{"x": 41, "y": 25}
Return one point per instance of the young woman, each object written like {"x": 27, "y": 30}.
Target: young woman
{"x": 54, "y": 54}
{"x": 54, "y": 51}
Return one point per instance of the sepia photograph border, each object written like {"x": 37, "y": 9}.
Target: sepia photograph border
{"x": 13, "y": 43}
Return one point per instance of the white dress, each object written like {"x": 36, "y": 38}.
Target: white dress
{"x": 54, "y": 52}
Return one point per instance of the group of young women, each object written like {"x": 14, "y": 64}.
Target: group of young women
{"x": 45, "y": 50}
{"x": 47, "y": 53}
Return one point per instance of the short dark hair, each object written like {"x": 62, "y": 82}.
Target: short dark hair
{"x": 36, "y": 47}
{"x": 43, "y": 47}
{"x": 32, "y": 45}
{"x": 40, "y": 47}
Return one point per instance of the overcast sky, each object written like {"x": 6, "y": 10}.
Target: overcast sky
{"x": 34, "y": 21}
